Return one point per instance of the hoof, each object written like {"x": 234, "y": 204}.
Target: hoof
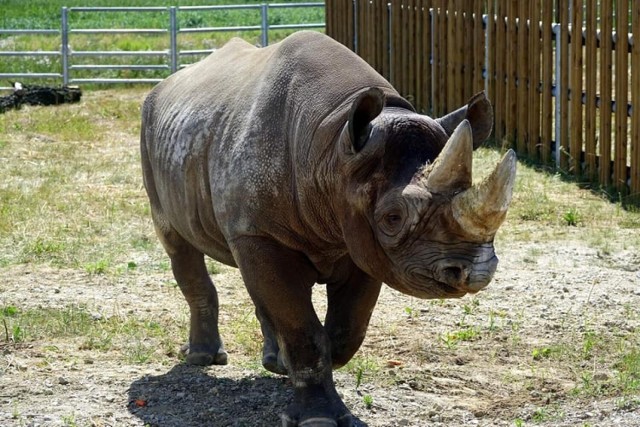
{"x": 203, "y": 358}
{"x": 273, "y": 363}
{"x": 344, "y": 421}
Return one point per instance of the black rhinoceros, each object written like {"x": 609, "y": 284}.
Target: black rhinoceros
{"x": 299, "y": 164}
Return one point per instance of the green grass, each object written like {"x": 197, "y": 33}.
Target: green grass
{"x": 45, "y": 14}
{"x": 139, "y": 341}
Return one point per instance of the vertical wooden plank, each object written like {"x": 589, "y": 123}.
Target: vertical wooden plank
{"x": 622, "y": 88}
{"x": 350, "y": 33}
{"x": 463, "y": 33}
{"x": 467, "y": 51}
{"x": 511, "y": 89}
{"x": 419, "y": 53}
{"x": 500, "y": 78}
{"x": 452, "y": 57}
{"x": 441, "y": 76}
{"x": 478, "y": 63}
{"x": 522, "y": 78}
{"x": 546, "y": 115}
{"x": 444, "y": 55}
{"x": 404, "y": 54}
{"x": 606, "y": 28}
{"x": 575, "y": 88}
{"x": 436, "y": 92}
{"x": 331, "y": 12}
{"x": 345, "y": 24}
{"x": 374, "y": 34}
{"x": 591, "y": 90}
{"x": 386, "y": 45}
{"x": 381, "y": 27}
{"x": 328, "y": 18}
{"x": 425, "y": 73}
{"x": 562, "y": 94}
{"x": 396, "y": 52}
{"x": 635, "y": 102}
{"x": 361, "y": 28}
{"x": 491, "y": 53}
{"x": 535, "y": 50}
{"x": 411, "y": 49}
{"x": 367, "y": 32}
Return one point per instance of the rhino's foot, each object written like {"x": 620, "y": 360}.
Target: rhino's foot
{"x": 202, "y": 356}
{"x": 315, "y": 406}
{"x": 274, "y": 364}
{"x": 344, "y": 421}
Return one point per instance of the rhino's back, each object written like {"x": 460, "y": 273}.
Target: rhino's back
{"x": 225, "y": 138}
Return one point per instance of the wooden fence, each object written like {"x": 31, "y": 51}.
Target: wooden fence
{"x": 561, "y": 96}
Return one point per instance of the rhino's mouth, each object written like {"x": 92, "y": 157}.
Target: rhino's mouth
{"x": 424, "y": 284}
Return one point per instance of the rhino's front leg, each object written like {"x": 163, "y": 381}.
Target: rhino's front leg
{"x": 279, "y": 281}
{"x": 349, "y": 309}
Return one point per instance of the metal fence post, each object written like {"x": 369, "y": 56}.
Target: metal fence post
{"x": 390, "y": 41}
{"x": 557, "y": 31}
{"x": 64, "y": 49}
{"x": 356, "y": 46}
{"x": 173, "y": 39}
{"x": 264, "y": 13}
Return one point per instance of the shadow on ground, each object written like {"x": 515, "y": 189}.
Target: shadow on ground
{"x": 193, "y": 396}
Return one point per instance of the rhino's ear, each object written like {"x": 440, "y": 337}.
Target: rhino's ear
{"x": 480, "y": 115}
{"x": 367, "y": 106}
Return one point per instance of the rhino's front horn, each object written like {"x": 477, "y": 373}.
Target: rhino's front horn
{"x": 451, "y": 171}
{"x": 481, "y": 209}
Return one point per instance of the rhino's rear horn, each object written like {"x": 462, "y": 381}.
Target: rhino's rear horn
{"x": 481, "y": 209}
{"x": 480, "y": 115}
{"x": 451, "y": 171}
{"x": 367, "y": 106}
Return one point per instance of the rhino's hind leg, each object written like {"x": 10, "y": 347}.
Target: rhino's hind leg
{"x": 190, "y": 271}
{"x": 272, "y": 358}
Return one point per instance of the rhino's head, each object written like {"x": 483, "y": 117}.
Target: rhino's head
{"x": 414, "y": 219}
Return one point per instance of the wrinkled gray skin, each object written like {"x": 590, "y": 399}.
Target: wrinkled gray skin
{"x": 299, "y": 164}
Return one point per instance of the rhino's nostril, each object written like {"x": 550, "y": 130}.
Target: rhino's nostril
{"x": 454, "y": 275}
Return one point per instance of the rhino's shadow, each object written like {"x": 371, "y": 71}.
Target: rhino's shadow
{"x": 192, "y": 396}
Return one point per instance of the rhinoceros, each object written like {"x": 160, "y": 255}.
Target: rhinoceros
{"x": 299, "y": 164}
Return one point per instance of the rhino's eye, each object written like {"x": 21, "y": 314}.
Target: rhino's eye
{"x": 393, "y": 219}
{"x": 392, "y": 223}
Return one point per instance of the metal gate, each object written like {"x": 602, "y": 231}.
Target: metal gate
{"x": 173, "y": 56}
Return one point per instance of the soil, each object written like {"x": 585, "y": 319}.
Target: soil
{"x": 490, "y": 380}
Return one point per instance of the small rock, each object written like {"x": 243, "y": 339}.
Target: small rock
{"x": 403, "y": 422}
{"x": 63, "y": 381}
{"x": 601, "y": 376}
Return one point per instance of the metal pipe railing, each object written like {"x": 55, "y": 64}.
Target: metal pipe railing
{"x": 172, "y": 53}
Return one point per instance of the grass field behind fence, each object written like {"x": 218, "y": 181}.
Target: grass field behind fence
{"x": 47, "y": 15}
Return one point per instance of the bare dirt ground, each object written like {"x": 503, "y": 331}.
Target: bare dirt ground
{"x": 491, "y": 380}
{"x": 544, "y": 345}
